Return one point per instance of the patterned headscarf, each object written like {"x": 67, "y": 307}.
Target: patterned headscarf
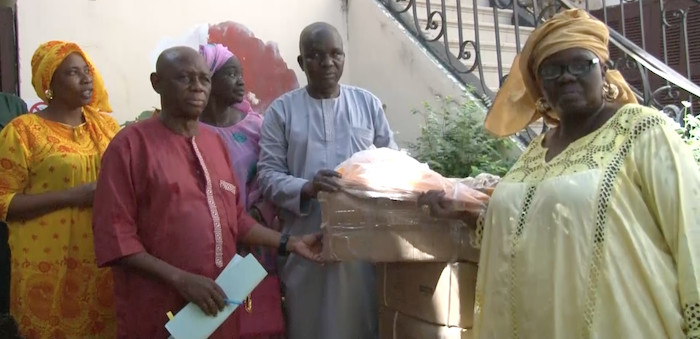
{"x": 46, "y": 60}
{"x": 216, "y": 55}
{"x": 514, "y": 106}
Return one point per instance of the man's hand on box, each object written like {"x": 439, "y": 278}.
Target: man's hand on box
{"x": 323, "y": 181}
{"x": 308, "y": 246}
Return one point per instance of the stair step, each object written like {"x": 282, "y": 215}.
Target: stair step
{"x": 489, "y": 55}
{"x": 453, "y": 3}
{"x": 508, "y": 52}
{"x": 487, "y": 32}
{"x": 485, "y": 14}
{"x": 491, "y": 78}
{"x": 489, "y": 62}
{"x": 537, "y": 126}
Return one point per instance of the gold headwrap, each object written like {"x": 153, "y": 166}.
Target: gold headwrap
{"x": 46, "y": 60}
{"x": 49, "y": 56}
{"x": 514, "y": 106}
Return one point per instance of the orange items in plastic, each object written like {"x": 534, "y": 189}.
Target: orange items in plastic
{"x": 388, "y": 173}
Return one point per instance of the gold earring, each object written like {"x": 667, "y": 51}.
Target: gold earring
{"x": 49, "y": 94}
{"x": 542, "y": 107}
{"x": 610, "y": 92}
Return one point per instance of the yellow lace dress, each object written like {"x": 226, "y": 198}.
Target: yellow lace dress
{"x": 602, "y": 241}
{"x": 57, "y": 291}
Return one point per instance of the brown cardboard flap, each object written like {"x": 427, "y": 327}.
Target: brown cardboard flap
{"x": 384, "y": 230}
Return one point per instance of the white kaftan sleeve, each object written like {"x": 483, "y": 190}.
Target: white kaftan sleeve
{"x": 383, "y": 136}
{"x": 277, "y": 185}
{"x": 669, "y": 179}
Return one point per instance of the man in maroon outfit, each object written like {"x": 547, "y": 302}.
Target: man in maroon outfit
{"x": 167, "y": 212}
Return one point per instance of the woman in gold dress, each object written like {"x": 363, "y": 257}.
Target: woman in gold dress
{"x": 595, "y": 231}
{"x": 49, "y": 163}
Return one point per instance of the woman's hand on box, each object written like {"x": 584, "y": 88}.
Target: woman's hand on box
{"x": 439, "y": 206}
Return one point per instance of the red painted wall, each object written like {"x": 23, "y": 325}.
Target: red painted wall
{"x": 265, "y": 72}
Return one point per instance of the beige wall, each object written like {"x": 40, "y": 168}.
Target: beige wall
{"x": 388, "y": 62}
{"x": 123, "y": 38}
{"x": 121, "y": 35}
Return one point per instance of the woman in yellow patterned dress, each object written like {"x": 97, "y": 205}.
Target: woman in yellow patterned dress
{"x": 49, "y": 163}
{"x": 595, "y": 231}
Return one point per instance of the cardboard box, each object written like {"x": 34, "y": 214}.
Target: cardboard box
{"x": 384, "y": 230}
{"x": 437, "y": 293}
{"x": 394, "y": 325}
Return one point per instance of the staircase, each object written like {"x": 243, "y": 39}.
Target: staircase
{"x": 476, "y": 40}
{"x": 510, "y": 39}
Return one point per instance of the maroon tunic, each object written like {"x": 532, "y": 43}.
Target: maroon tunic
{"x": 175, "y": 198}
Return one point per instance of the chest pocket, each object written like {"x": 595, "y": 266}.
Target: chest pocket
{"x": 227, "y": 186}
{"x": 362, "y": 137}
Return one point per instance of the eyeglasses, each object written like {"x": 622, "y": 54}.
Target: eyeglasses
{"x": 576, "y": 68}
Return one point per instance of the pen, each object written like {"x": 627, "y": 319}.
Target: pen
{"x": 232, "y": 302}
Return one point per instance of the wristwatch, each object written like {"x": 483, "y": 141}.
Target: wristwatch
{"x": 282, "y": 250}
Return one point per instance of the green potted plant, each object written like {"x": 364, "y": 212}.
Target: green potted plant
{"x": 453, "y": 141}
{"x": 142, "y": 116}
{"x": 691, "y": 132}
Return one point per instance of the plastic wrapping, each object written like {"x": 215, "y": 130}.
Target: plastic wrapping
{"x": 484, "y": 182}
{"x": 387, "y": 173}
{"x": 390, "y": 174}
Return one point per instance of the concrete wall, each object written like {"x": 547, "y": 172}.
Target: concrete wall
{"x": 391, "y": 64}
{"x": 122, "y": 36}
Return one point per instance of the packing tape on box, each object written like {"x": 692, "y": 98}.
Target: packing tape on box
{"x": 456, "y": 229}
{"x": 450, "y": 300}
{"x": 393, "y": 326}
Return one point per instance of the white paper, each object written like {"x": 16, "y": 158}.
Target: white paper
{"x": 238, "y": 280}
